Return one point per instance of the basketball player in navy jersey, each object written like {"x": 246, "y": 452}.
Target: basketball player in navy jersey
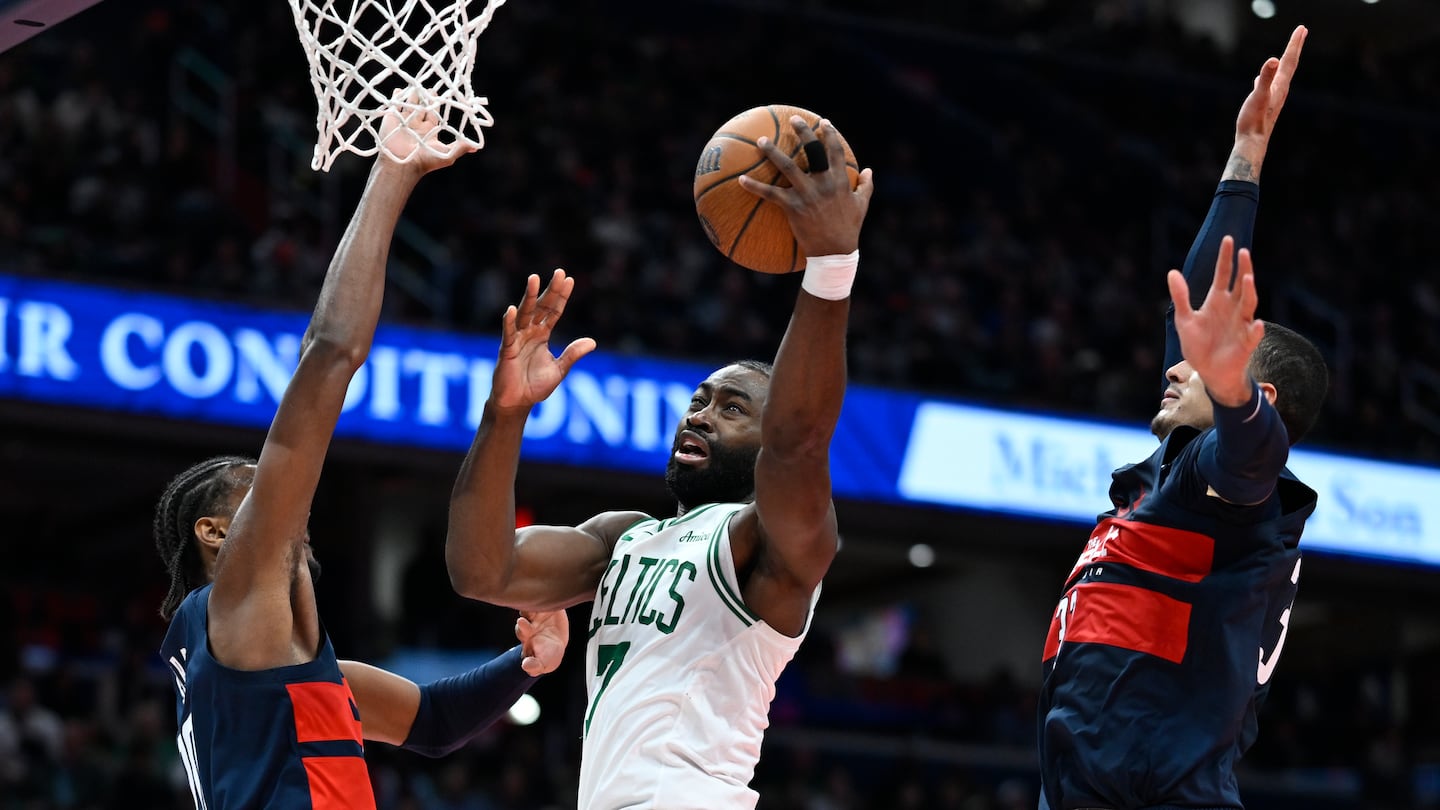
{"x": 1165, "y": 640}
{"x": 268, "y": 717}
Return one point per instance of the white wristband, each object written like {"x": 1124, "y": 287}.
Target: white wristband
{"x": 830, "y": 277}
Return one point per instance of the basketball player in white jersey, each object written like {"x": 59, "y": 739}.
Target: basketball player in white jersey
{"x": 694, "y": 615}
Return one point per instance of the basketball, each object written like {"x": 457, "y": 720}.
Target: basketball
{"x": 750, "y": 231}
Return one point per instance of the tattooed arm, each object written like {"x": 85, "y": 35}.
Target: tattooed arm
{"x": 1233, "y": 211}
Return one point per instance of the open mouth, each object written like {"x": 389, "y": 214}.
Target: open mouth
{"x": 691, "y": 449}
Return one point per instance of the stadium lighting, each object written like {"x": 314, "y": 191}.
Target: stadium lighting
{"x": 1264, "y": 9}
{"x": 922, "y": 555}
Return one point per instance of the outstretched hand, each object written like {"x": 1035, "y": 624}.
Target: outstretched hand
{"x": 543, "y": 636}
{"x": 1261, "y": 109}
{"x": 825, "y": 214}
{"x": 1218, "y": 338}
{"x": 410, "y": 136}
{"x": 526, "y": 372}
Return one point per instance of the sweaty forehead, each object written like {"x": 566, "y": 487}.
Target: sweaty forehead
{"x": 748, "y": 380}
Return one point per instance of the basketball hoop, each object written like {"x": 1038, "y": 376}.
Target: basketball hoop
{"x": 364, "y": 54}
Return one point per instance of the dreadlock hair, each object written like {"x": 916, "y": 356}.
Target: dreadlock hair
{"x": 1296, "y": 368}
{"x": 201, "y": 491}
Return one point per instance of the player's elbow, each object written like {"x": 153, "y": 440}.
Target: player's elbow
{"x": 470, "y": 577}
{"x": 336, "y": 351}
{"x": 806, "y": 563}
{"x": 472, "y": 585}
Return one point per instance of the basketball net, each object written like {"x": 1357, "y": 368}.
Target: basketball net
{"x": 366, "y": 54}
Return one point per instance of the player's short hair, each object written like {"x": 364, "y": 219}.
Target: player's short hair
{"x": 204, "y": 490}
{"x": 1296, "y": 368}
{"x": 756, "y": 365}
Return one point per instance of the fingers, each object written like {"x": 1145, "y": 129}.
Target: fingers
{"x": 781, "y": 160}
{"x": 551, "y": 304}
{"x": 866, "y": 186}
{"x": 527, "y": 303}
{"x": 532, "y": 666}
{"x": 1285, "y": 70}
{"x": 1179, "y": 295}
{"x": 508, "y": 332}
{"x": 1290, "y": 60}
{"x": 834, "y": 150}
{"x": 1254, "y": 333}
{"x": 1224, "y": 279}
{"x": 1249, "y": 300}
{"x": 576, "y": 350}
{"x": 1265, "y": 82}
{"x": 765, "y": 191}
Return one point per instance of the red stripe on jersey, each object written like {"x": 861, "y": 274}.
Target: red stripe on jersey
{"x": 1169, "y": 552}
{"x": 339, "y": 783}
{"x": 1121, "y": 616}
{"x": 324, "y": 712}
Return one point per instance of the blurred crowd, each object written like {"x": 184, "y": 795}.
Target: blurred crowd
{"x": 1039, "y": 166}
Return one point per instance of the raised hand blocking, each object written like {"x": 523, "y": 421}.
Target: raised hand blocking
{"x": 1218, "y": 338}
{"x": 526, "y": 373}
{"x": 1262, "y": 107}
{"x": 406, "y": 126}
{"x": 1261, "y": 110}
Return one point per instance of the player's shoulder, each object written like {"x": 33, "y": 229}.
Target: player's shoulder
{"x": 610, "y": 526}
{"x": 1296, "y": 497}
{"x": 195, "y": 604}
{"x": 188, "y": 623}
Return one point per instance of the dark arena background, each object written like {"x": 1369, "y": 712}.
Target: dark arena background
{"x": 1039, "y": 164}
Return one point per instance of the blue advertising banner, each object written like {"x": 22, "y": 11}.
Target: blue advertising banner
{"x": 214, "y": 362}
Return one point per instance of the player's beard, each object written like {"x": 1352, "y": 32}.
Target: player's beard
{"x": 1162, "y": 425}
{"x": 727, "y": 477}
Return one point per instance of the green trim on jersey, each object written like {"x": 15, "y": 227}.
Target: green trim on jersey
{"x": 717, "y": 577}
{"x": 625, "y": 535}
{"x": 676, "y": 521}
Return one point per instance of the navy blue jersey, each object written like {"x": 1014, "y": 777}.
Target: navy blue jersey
{"x": 287, "y": 737}
{"x": 1161, "y": 649}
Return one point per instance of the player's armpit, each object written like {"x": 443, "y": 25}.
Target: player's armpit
{"x": 548, "y": 567}
{"x": 786, "y": 540}
{"x": 795, "y": 517}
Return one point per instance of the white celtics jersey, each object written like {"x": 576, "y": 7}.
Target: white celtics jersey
{"x": 680, "y": 673}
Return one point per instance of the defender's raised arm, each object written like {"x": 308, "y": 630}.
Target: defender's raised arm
{"x": 255, "y": 570}
{"x": 1233, "y": 211}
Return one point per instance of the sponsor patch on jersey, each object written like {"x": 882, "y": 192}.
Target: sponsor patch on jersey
{"x": 1169, "y": 552}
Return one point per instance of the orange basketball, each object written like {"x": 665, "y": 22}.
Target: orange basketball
{"x": 753, "y": 232}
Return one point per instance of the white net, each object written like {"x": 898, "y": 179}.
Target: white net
{"x": 365, "y": 54}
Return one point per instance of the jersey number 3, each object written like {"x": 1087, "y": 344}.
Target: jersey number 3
{"x": 1267, "y": 668}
